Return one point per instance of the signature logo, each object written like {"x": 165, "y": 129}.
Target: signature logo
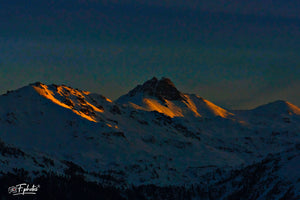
{"x": 23, "y": 188}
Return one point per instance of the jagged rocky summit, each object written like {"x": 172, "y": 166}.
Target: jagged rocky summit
{"x": 162, "y": 89}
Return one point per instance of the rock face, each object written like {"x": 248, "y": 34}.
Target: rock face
{"x": 162, "y": 89}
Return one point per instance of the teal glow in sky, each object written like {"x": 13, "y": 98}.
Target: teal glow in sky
{"x": 237, "y": 58}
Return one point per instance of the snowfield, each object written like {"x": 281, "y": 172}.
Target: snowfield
{"x": 153, "y": 136}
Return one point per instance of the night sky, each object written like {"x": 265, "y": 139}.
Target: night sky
{"x": 238, "y": 54}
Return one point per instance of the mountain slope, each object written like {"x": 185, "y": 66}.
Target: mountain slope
{"x": 278, "y": 108}
{"x": 155, "y": 134}
{"x": 162, "y": 96}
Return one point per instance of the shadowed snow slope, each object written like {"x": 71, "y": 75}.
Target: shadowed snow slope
{"x": 278, "y": 107}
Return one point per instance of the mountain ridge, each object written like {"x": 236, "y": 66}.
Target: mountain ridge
{"x": 179, "y": 142}
{"x": 138, "y": 87}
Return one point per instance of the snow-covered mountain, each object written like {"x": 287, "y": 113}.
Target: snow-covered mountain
{"x": 153, "y": 138}
{"x": 162, "y": 96}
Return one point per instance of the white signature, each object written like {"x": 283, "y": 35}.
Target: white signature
{"x": 22, "y": 189}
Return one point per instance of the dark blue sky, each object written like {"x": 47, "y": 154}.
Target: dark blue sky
{"x": 237, "y": 54}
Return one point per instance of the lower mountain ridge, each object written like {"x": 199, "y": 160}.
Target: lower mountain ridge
{"x": 153, "y": 143}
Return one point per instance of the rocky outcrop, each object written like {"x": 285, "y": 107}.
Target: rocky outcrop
{"x": 162, "y": 89}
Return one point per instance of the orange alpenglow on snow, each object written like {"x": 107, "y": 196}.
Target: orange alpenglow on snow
{"x": 70, "y": 95}
{"x": 162, "y": 96}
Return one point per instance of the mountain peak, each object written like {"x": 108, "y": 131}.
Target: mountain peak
{"x": 36, "y": 84}
{"x": 162, "y": 89}
{"x": 279, "y": 106}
